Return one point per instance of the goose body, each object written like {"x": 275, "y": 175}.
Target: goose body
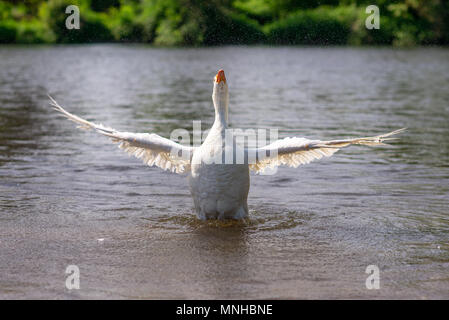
{"x": 218, "y": 190}
{"x": 220, "y": 187}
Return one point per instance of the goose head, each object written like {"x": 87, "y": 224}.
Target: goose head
{"x": 220, "y": 97}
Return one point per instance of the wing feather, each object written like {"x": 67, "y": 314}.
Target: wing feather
{"x": 295, "y": 151}
{"x": 152, "y": 149}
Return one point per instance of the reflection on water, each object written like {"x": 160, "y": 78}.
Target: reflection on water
{"x": 312, "y": 230}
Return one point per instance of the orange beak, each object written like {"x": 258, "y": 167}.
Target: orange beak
{"x": 220, "y": 77}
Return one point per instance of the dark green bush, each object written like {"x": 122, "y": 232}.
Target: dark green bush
{"x": 242, "y": 30}
{"x": 33, "y": 32}
{"x": 225, "y": 27}
{"x": 310, "y": 27}
{"x": 197, "y": 23}
{"x": 171, "y": 22}
{"x": 104, "y": 5}
{"x": 125, "y": 24}
{"x": 8, "y": 30}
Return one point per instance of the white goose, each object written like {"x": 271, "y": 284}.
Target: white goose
{"x": 220, "y": 190}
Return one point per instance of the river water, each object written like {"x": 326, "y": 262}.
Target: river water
{"x": 70, "y": 197}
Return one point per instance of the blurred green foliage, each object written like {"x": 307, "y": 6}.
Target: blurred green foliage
{"x": 217, "y": 22}
{"x": 318, "y": 26}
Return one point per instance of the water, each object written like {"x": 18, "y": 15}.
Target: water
{"x": 312, "y": 231}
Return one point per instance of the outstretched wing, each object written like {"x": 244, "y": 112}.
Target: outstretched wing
{"x": 151, "y": 148}
{"x": 297, "y": 151}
